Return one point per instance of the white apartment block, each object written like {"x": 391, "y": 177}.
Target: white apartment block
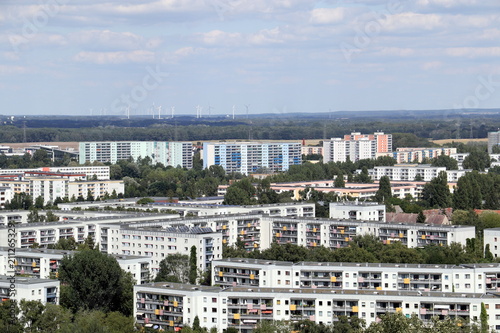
{"x": 354, "y": 190}
{"x": 417, "y": 155}
{"x": 30, "y": 289}
{"x": 6, "y": 195}
{"x": 467, "y": 278}
{"x": 493, "y": 140}
{"x": 44, "y": 263}
{"x": 200, "y": 209}
{"x": 312, "y": 150}
{"x": 54, "y": 184}
{"x": 171, "y": 306}
{"x": 167, "y": 153}
{"x": 101, "y": 172}
{"x": 492, "y": 237}
{"x": 357, "y": 210}
{"x": 410, "y": 172}
{"x": 157, "y": 235}
{"x": 259, "y": 231}
{"x": 98, "y": 188}
{"x": 158, "y": 243}
{"x": 356, "y": 146}
{"x": 248, "y": 157}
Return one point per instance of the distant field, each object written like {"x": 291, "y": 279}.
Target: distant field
{"x": 62, "y": 145}
{"x": 443, "y": 141}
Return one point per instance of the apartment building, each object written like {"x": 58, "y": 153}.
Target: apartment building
{"x": 158, "y": 243}
{"x": 358, "y": 191}
{"x": 417, "y": 155}
{"x": 312, "y": 150}
{"x": 83, "y": 172}
{"x": 493, "y": 141}
{"x": 200, "y": 209}
{"x": 356, "y": 146}
{"x": 466, "y": 278}
{"x": 171, "y": 306}
{"x": 51, "y": 185}
{"x": 248, "y": 157}
{"x": 425, "y": 172}
{"x": 46, "y": 291}
{"x": 357, "y": 210}
{"x": 259, "y": 231}
{"x": 167, "y": 153}
{"x": 44, "y": 263}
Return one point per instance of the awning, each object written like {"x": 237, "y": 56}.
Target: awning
{"x": 148, "y": 325}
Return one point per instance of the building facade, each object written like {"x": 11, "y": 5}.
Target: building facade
{"x": 46, "y": 291}
{"x": 167, "y": 153}
{"x": 493, "y": 141}
{"x": 417, "y": 155}
{"x": 356, "y": 146}
{"x": 421, "y": 172}
{"x": 44, "y": 263}
{"x": 249, "y": 157}
{"x": 171, "y": 306}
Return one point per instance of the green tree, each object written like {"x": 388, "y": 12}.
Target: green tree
{"x": 94, "y": 281}
{"x": 445, "y": 161}
{"x": 477, "y": 160}
{"x": 421, "y": 217}
{"x": 39, "y": 202}
{"x": 488, "y": 256}
{"x": 437, "y": 193}
{"x": 483, "y": 318}
{"x": 145, "y": 201}
{"x": 339, "y": 181}
{"x": 174, "y": 268}
{"x": 193, "y": 268}
{"x": 53, "y": 319}
{"x": 384, "y": 193}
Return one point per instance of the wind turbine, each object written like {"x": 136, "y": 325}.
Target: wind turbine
{"x": 209, "y": 110}
{"x": 247, "y": 106}
{"x": 159, "y": 112}
{"x": 128, "y": 112}
{"x": 234, "y": 109}
{"x": 172, "y": 109}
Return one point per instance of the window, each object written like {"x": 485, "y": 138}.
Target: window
{"x": 279, "y": 272}
{"x": 214, "y": 310}
{"x": 204, "y": 299}
{"x": 467, "y": 286}
{"x": 287, "y": 273}
{"x": 286, "y": 302}
{"x": 278, "y": 312}
{"x": 214, "y": 320}
{"x": 204, "y": 309}
{"x": 497, "y": 306}
{"x": 279, "y": 281}
{"x": 347, "y": 284}
{"x": 363, "y": 304}
{"x": 386, "y": 276}
{"x": 320, "y": 313}
{"x": 467, "y": 276}
{"x": 278, "y": 302}
{"x": 214, "y": 300}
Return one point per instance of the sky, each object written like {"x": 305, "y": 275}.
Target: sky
{"x": 95, "y": 57}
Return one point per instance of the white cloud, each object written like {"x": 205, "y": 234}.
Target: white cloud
{"x": 103, "y": 58}
{"x": 473, "y": 52}
{"x": 110, "y": 40}
{"x": 327, "y": 15}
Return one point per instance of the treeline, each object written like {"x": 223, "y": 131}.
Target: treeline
{"x": 255, "y": 129}
{"x": 389, "y": 323}
{"x": 368, "y": 249}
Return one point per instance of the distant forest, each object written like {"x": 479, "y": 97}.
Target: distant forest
{"x": 441, "y": 125}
